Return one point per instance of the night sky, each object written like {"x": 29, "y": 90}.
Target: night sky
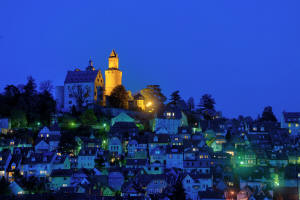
{"x": 245, "y": 53}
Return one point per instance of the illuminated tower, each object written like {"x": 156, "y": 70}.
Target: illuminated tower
{"x": 113, "y": 76}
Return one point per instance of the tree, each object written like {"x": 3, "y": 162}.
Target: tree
{"x": 268, "y": 114}
{"x": 228, "y": 135}
{"x": 67, "y": 142}
{"x": 88, "y": 118}
{"x": 154, "y": 97}
{"x": 46, "y": 86}
{"x": 207, "y": 106}
{"x": 191, "y": 103}
{"x": 175, "y": 97}
{"x": 179, "y": 191}
{"x": 46, "y": 107}
{"x": 18, "y": 118}
{"x": 11, "y": 91}
{"x": 80, "y": 94}
{"x": 119, "y": 97}
{"x": 30, "y": 87}
{"x": 100, "y": 163}
{"x": 4, "y": 187}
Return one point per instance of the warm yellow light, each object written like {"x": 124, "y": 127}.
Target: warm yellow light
{"x": 149, "y": 104}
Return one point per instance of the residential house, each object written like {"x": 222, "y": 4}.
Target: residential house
{"x": 86, "y": 158}
{"x": 60, "y": 178}
{"x": 16, "y": 189}
{"x": 122, "y": 117}
{"x": 61, "y": 162}
{"x": 168, "y": 121}
{"x": 115, "y": 179}
{"x": 291, "y": 121}
{"x": 5, "y": 125}
{"x": 195, "y": 182}
{"x": 5, "y": 158}
{"x": 37, "y": 164}
{"x": 174, "y": 157}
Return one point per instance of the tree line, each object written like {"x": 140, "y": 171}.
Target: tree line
{"x": 26, "y": 105}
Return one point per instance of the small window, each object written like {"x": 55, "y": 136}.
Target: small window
{"x": 70, "y": 102}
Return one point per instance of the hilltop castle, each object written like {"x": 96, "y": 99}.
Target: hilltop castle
{"x": 88, "y": 87}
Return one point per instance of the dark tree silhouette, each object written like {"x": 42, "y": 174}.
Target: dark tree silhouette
{"x": 175, "y": 98}
{"x": 191, "y": 103}
{"x": 268, "y": 115}
{"x": 88, "y": 118}
{"x": 119, "y": 97}
{"x": 26, "y": 106}
{"x": 46, "y": 86}
{"x": 179, "y": 192}
{"x": 207, "y": 107}
{"x": 153, "y": 94}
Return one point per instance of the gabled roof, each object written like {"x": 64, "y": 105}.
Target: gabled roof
{"x": 291, "y": 116}
{"x": 81, "y": 76}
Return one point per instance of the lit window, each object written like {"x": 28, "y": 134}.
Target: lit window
{"x": 47, "y": 135}
{"x": 42, "y": 135}
{"x": 290, "y": 131}
{"x": 64, "y": 185}
{"x": 297, "y": 124}
{"x": 0, "y": 158}
{"x": 290, "y": 124}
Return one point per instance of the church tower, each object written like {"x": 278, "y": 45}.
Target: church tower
{"x": 113, "y": 76}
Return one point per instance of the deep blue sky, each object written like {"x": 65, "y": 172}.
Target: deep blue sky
{"x": 246, "y": 53}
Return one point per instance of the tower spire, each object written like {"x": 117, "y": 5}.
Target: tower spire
{"x": 113, "y": 60}
{"x": 113, "y": 54}
{"x": 91, "y": 63}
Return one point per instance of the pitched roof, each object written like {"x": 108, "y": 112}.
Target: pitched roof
{"x": 81, "y": 76}
{"x": 61, "y": 172}
{"x": 291, "y": 116}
